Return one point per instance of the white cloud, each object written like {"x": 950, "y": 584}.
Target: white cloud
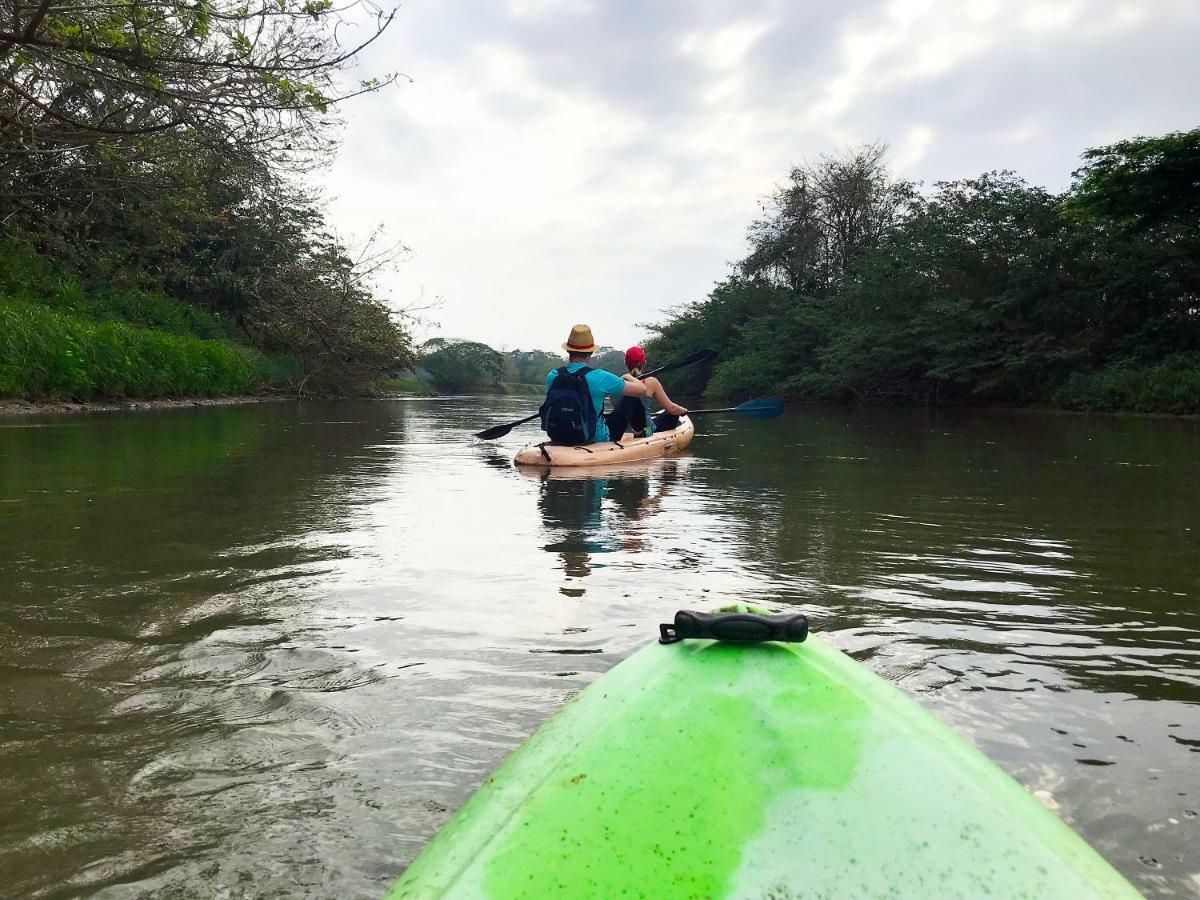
{"x": 564, "y": 160}
{"x": 725, "y": 47}
{"x": 538, "y": 9}
{"x": 911, "y": 151}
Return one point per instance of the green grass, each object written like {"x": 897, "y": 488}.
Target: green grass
{"x": 28, "y": 277}
{"x": 1169, "y": 386}
{"x": 47, "y": 354}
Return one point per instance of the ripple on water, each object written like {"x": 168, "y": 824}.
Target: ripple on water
{"x": 266, "y": 651}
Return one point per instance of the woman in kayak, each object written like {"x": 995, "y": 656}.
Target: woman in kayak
{"x": 634, "y": 412}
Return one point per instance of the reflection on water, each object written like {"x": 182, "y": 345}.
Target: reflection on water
{"x": 266, "y": 650}
{"x": 573, "y": 504}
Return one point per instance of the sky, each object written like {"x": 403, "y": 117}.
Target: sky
{"x": 562, "y": 161}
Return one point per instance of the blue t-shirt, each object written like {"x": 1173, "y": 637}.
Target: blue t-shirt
{"x": 601, "y": 384}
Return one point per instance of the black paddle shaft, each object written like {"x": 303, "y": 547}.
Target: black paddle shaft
{"x": 734, "y": 627}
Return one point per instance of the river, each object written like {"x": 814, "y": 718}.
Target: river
{"x": 266, "y": 650}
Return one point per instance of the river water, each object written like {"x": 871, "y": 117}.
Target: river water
{"x": 266, "y": 650}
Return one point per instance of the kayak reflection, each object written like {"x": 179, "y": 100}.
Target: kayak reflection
{"x": 595, "y": 512}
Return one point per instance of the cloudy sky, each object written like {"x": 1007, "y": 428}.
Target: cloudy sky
{"x": 556, "y": 161}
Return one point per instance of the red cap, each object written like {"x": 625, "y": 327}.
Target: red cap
{"x": 635, "y": 358}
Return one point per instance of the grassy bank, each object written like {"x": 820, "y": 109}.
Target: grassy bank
{"x": 47, "y": 354}
{"x": 1169, "y": 386}
{"x": 64, "y": 339}
{"x": 28, "y": 277}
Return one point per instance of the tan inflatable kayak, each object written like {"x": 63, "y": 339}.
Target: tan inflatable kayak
{"x": 606, "y": 453}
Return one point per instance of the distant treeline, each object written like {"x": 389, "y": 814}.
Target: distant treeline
{"x": 154, "y": 238}
{"x": 862, "y": 288}
{"x": 462, "y": 367}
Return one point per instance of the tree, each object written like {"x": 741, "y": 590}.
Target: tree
{"x": 1140, "y": 203}
{"x": 150, "y": 144}
{"x": 460, "y": 366}
{"x": 1142, "y": 184}
{"x": 529, "y": 366}
{"x": 95, "y": 94}
{"x": 718, "y": 322}
{"x": 824, "y": 215}
{"x": 963, "y": 301}
{"x": 989, "y": 290}
{"x": 609, "y": 359}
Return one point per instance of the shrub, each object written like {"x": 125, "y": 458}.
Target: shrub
{"x": 45, "y": 354}
{"x": 29, "y": 277}
{"x": 1169, "y": 386}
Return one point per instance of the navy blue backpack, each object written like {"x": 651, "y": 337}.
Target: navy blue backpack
{"x": 568, "y": 415}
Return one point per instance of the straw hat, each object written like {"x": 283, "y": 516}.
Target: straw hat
{"x": 581, "y": 340}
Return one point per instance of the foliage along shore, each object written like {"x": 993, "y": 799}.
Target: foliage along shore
{"x": 859, "y": 288}
{"x": 447, "y": 366}
{"x": 155, "y": 238}
{"x": 56, "y": 407}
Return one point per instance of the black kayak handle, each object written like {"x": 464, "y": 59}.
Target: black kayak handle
{"x": 735, "y": 627}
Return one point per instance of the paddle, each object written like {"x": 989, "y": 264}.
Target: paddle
{"x": 499, "y": 431}
{"x": 763, "y": 408}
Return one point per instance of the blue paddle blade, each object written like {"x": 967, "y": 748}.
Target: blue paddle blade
{"x": 766, "y": 408}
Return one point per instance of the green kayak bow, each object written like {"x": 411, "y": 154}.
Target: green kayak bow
{"x": 735, "y": 758}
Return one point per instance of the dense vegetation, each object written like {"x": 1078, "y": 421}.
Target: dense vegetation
{"x": 860, "y": 288}
{"x": 152, "y": 222}
{"x": 458, "y": 367}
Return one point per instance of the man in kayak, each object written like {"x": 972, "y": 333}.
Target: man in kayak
{"x": 636, "y": 411}
{"x": 572, "y": 412}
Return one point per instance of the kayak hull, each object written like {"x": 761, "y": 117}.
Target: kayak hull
{"x": 662, "y": 443}
{"x": 712, "y": 770}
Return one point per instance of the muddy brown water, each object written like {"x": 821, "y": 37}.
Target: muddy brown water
{"x": 266, "y": 650}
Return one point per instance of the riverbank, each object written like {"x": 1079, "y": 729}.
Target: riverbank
{"x": 33, "y": 408}
{"x": 397, "y": 388}
{"x": 10, "y": 408}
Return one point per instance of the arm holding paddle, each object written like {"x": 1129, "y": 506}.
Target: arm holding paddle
{"x": 651, "y": 387}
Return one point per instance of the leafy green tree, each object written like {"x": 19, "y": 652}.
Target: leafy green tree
{"x": 988, "y": 290}
{"x": 149, "y": 148}
{"x": 529, "y": 366}
{"x": 720, "y": 322}
{"x": 1140, "y": 203}
{"x": 961, "y": 301}
{"x": 461, "y": 366}
{"x": 97, "y": 92}
{"x": 609, "y": 359}
{"x": 822, "y": 217}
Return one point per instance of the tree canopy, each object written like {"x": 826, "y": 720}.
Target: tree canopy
{"x": 153, "y": 145}
{"x": 101, "y": 91}
{"x": 461, "y": 366}
{"x": 983, "y": 290}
